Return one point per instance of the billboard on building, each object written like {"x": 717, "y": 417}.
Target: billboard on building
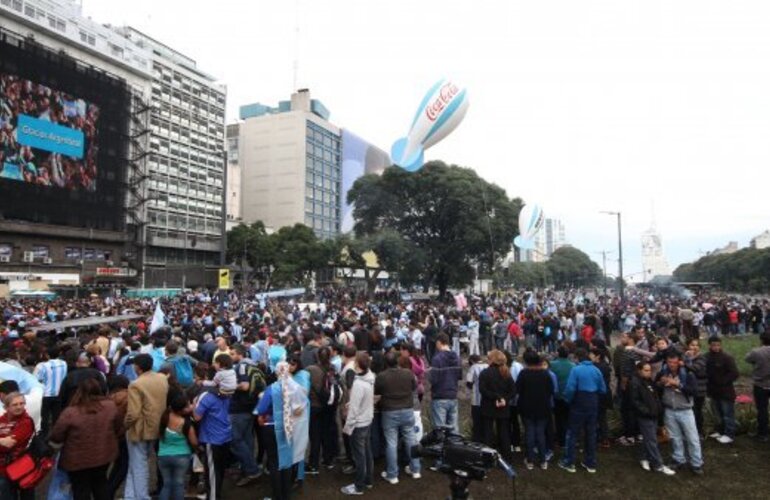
{"x": 64, "y": 139}
{"x": 358, "y": 158}
{"x": 47, "y": 137}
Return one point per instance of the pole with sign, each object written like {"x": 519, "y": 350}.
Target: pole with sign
{"x": 224, "y": 279}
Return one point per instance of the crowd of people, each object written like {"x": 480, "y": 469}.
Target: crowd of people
{"x": 233, "y": 389}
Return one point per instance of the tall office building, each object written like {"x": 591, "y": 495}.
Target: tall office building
{"x": 186, "y": 168}
{"x": 654, "y": 261}
{"x": 550, "y": 238}
{"x": 157, "y": 156}
{"x": 68, "y": 216}
{"x": 296, "y": 166}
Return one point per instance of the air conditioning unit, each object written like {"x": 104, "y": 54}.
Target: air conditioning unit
{"x": 47, "y": 260}
{"x": 109, "y": 263}
{"x": 5, "y": 258}
{"x": 29, "y": 257}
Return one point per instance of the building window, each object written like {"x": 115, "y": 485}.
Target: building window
{"x": 40, "y": 251}
{"x": 116, "y": 51}
{"x": 87, "y": 38}
{"x": 6, "y": 250}
{"x": 72, "y": 253}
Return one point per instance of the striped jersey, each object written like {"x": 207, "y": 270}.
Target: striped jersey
{"x": 51, "y": 374}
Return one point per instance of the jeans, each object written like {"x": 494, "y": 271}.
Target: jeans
{"x": 515, "y": 428}
{"x": 323, "y": 435}
{"x": 650, "y": 451}
{"x": 8, "y": 490}
{"x": 119, "y": 469}
{"x": 174, "y": 469}
{"x": 682, "y": 429}
{"x": 581, "y": 421}
{"x": 503, "y": 435}
{"x": 361, "y": 450}
{"x": 534, "y": 429}
{"x": 697, "y": 408}
{"x": 217, "y": 456}
{"x": 476, "y": 424}
{"x": 443, "y": 413}
{"x": 761, "y": 398}
{"x": 90, "y": 483}
{"x": 49, "y": 414}
{"x": 630, "y": 428}
{"x": 499, "y": 343}
{"x": 397, "y": 423}
{"x": 561, "y": 416}
{"x": 242, "y": 445}
{"x": 138, "y": 478}
{"x": 280, "y": 480}
{"x": 724, "y": 410}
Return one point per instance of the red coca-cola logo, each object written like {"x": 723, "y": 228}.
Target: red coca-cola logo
{"x": 445, "y": 95}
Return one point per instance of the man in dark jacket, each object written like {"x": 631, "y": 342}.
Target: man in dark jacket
{"x": 722, "y": 372}
{"x": 444, "y": 376}
{"x": 82, "y": 371}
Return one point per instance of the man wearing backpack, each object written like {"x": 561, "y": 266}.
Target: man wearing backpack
{"x": 251, "y": 383}
{"x": 181, "y": 364}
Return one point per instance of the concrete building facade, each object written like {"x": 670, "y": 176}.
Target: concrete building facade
{"x": 173, "y": 216}
{"x": 293, "y": 167}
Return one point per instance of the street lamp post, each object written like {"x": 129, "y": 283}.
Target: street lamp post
{"x": 604, "y": 268}
{"x": 620, "y": 256}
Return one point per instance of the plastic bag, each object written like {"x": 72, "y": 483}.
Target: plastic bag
{"x": 60, "y": 487}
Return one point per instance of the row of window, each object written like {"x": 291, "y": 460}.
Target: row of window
{"x": 164, "y": 200}
{"x": 185, "y": 100}
{"x": 159, "y": 255}
{"x": 70, "y": 253}
{"x": 177, "y": 79}
{"x": 184, "y": 222}
{"x": 180, "y": 151}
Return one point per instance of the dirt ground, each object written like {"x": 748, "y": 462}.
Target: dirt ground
{"x": 738, "y": 471}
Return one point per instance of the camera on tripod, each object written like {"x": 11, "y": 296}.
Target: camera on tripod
{"x": 461, "y": 459}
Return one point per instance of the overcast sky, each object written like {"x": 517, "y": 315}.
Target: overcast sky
{"x": 579, "y": 106}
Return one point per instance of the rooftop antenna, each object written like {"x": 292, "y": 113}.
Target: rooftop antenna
{"x": 652, "y": 208}
{"x": 296, "y": 45}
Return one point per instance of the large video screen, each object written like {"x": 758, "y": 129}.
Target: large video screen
{"x": 47, "y": 137}
{"x": 358, "y": 158}
{"x": 64, "y": 139}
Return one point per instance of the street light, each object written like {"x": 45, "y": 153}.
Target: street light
{"x": 620, "y": 255}
{"x": 604, "y": 268}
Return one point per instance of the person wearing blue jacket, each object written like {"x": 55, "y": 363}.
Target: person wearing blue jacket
{"x": 585, "y": 387}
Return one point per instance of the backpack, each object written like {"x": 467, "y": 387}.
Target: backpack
{"x": 183, "y": 369}
{"x": 158, "y": 358}
{"x": 256, "y": 380}
{"x": 331, "y": 393}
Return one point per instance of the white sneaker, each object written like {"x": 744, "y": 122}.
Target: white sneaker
{"x": 725, "y": 439}
{"x": 391, "y": 480}
{"x": 665, "y": 470}
{"x": 645, "y": 465}
{"x": 415, "y": 475}
{"x": 715, "y": 435}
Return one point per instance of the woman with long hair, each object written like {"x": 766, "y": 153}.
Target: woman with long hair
{"x": 16, "y": 430}
{"x": 497, "y": 389}
{"x": 87, "y": 433}
{"x": 178, "y": 440}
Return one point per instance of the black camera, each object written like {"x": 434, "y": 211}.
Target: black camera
{"x": 457, "y": 454}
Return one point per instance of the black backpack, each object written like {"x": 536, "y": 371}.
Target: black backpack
{"x": 331, "y": 391}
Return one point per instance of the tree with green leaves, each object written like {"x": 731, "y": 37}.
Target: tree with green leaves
{"x": 744, "y": 271}
{"x": 448, "y": 217}
{"x": 252, "y": 249}
{"x": 571, "y": 268}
